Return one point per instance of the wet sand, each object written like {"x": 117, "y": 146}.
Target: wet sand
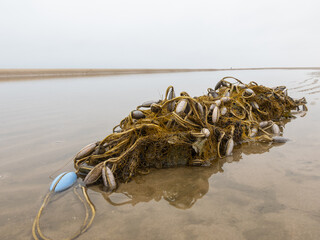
{"x": 264, "y": 191}
{"x": 24, "y": 74}
{"x": 21, "y": 74}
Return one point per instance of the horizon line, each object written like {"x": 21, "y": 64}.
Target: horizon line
{"x": 42, "y": 73}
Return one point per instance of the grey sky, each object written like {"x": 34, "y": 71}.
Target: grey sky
{"x": 158, "y": 34}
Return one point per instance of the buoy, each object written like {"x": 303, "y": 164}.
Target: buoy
{"x": 66, "y": 180}
{"x": 61, "y": 183}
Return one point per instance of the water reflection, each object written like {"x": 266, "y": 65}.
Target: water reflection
{"x": 180, "y": 187}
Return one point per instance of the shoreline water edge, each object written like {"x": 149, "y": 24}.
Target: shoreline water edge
{"x": 24, "y": 74}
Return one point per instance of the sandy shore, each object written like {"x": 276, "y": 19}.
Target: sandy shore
{"x": 262, "y": 191}
{"x": 21, "y": 74}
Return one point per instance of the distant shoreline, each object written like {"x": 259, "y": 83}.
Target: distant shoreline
{"x": 22, "y": 74}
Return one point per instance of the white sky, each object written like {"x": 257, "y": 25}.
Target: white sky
{"x": 159, "y": 34}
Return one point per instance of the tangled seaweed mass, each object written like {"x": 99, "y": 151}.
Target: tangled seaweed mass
{"x": 187, "y": 130}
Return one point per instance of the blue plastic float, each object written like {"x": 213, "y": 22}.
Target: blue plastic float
{"x": 65, "y": 182}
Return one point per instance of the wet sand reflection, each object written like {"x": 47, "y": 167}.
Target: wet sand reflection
{"x": 181, "y": 187}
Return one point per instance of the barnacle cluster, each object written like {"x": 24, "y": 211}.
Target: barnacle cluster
{"x": 187, "y": 130}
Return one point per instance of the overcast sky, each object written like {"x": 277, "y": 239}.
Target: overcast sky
{"x": 159, "y": 34}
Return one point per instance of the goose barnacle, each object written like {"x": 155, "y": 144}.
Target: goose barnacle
{"x": 215, "y": 114}
{"x": 86, "y": 151}
{"x": 230, "y": 145}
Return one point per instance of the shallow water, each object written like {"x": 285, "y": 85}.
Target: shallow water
{"x": 262, "y": 192}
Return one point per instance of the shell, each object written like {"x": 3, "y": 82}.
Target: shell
{"x": 171, "y": 95}
{"x": 242, "y": 86}
{"x": 225, "y": 99}
{"x": 213, "y": 94}
{"x": 253, "y": 132}
{"x": 218, "y": 85}
{"x": 275, "y": 129}
{"x": 148, "y": 103}
{"x": 249, "y": 91}
{"x": 117, "y": 129}
{"x": 97, "y": 150}
{"x": 206, "y": 132}
{"x": 227, "y": 94}
{"x": 255, "y": 105}
{"x": 223, "y": 111}
{"x": 200, "y": 109}
{"x": 86, "y": 151}
{"x": 263, "y": 124}
{"x": 218, "y": 102}
{"x": 136, "y": 114}
{"x": 212, "y": 106}
{"x": 104, "y": 177}
{"x": 279, "y": 139}
{"x": 280, "y": 88}
{"x": 181, "y": 106}
{"x": 215, "y": 114}
{"x": 94, "y": 174}
{"x": 108, "y": 178}
{"x": 230, "y": 145}
{"x": 197, "y": 135}
{"x": 155, "y": 108}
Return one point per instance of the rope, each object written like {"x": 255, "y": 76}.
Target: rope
{"x": 36, "y": 230}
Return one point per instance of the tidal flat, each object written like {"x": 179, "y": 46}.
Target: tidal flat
{"x": 263, "y": 191}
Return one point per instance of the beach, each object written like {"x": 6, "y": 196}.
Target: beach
{"x": 263, "y": 191}
{"x": 24, "y": 74}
